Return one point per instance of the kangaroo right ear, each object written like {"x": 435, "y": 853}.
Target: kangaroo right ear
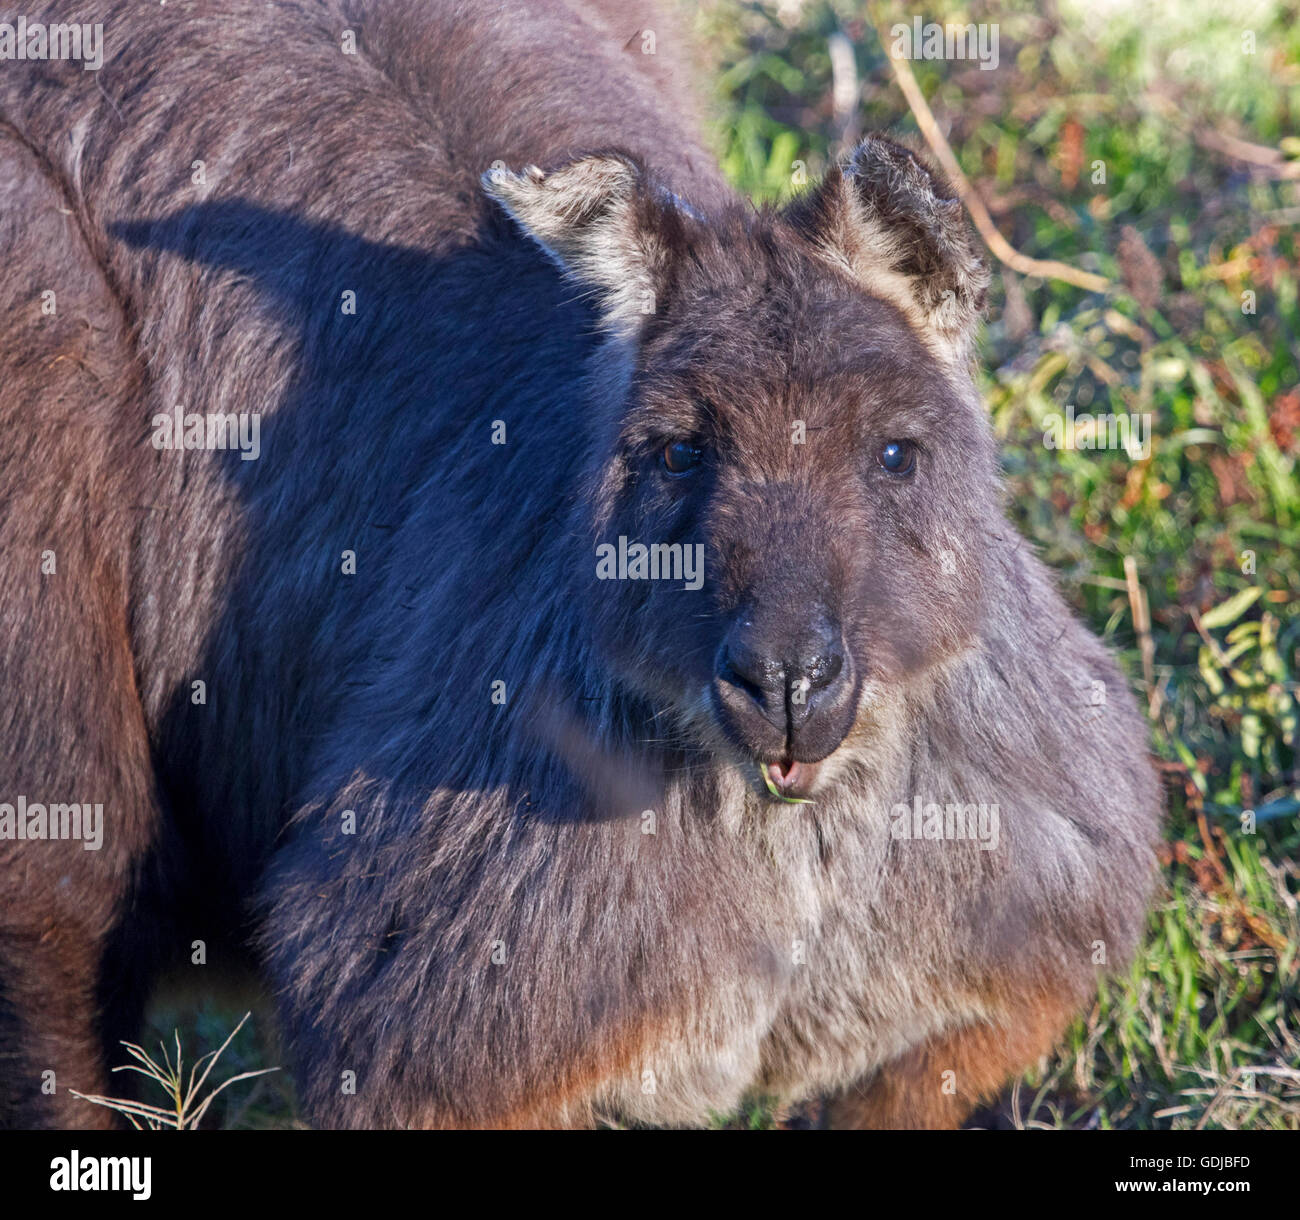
{"x": 897, "y": 227}
{"x": 604, "y": 224}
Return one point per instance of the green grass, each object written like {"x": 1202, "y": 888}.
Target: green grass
{"x": 1205, "y": 1028}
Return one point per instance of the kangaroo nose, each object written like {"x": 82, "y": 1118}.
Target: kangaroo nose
{"x": 782, "y": 675}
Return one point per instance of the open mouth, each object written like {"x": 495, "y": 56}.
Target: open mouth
{"x": 790, "y": 781}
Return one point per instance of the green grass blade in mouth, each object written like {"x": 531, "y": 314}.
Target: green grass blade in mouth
{"x": 776, "y": 792}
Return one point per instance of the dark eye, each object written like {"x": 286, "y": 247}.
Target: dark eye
{"x": 681, "y": 457}
{"x": 898, "y": 457}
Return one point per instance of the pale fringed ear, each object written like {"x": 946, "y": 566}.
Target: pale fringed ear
{"x": 604, "y": 225}
{"x": 900, "y": 231}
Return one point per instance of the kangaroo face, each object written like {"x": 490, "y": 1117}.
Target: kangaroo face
{"x": 796, "y": 478}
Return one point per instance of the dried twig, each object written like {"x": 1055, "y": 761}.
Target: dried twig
{"x": 1273, "y": 161}
{"x": 183, "y": 1114}
{"x": 979, "y": 214}
{"x": 1137, "y": 600}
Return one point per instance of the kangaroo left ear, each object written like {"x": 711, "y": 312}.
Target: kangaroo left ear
{"x": 897, "y": 227}
{"x": 604, "y": 223}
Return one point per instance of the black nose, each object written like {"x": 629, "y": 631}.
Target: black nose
{"x": 785, "y": 674}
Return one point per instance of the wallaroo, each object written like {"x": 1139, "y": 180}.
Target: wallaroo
{"x": 508, "y": 843}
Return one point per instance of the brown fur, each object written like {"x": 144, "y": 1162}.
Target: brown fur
{"x": 536, "y": 237}
{"x": 73, "y": 730}
{"x": 937, "y": 1084}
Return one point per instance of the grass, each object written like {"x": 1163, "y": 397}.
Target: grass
{"x": 187, "y": 1103}
{"x": 1099, "y": 142}
{"x": 1105, "y": 139}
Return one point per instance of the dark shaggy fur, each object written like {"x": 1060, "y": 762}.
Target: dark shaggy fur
{"x": 567, "y": 894}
